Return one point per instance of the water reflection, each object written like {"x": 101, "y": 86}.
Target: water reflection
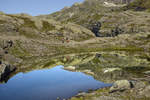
{"x": 47, "y": 84}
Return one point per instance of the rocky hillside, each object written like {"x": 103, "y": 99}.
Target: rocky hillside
{"x": 33, "y": 36}
{"x": 91, "y": 26}
{"x": 23, "y": 36}
{"x": 140, "y": 5}
{"x": 105, "y": 19}
{"x": 79, "y": 37}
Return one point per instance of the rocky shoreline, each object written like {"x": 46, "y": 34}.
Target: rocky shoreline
{"x": 126, "y": 81}
{"x": 121, "y": 90}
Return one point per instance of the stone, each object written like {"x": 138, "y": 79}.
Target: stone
{"x": 88, "y": 72}
{"x": 120, "y": 85}
{"x": 5, "y": 69}
{"x": 108, "y": 70}
{"x": 96, "y": 28}
{"x": 70, "y": 68}
{"x": 146, "y": 92}
{"x": 147, "y": 72}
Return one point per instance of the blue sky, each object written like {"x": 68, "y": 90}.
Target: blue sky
{"x": 34, "y": 7}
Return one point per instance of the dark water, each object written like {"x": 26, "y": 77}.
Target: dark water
{"x": 47, "y": 84}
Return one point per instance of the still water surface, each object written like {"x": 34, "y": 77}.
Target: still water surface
{"x": 47, "y": 84}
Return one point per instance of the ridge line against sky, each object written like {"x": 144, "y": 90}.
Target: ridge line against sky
{"x": 34, "y": 7}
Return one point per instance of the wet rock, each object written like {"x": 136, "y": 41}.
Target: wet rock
{"x": 120, "y": 85}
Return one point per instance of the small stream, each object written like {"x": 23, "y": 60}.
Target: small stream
{"x": 48, "y": 84}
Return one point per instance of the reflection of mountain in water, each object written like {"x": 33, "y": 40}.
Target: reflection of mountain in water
{"x": 106, "y": 66}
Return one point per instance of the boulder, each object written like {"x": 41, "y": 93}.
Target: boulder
{"x": 88, "y": 72}
{"x": 147, "y": 72}
{"x": 5, "y": 69}
{"x": 120, "y": 85}
{"x": 70, "y": 68}
{"x": 96, "y": 28}
{"x": 109, "y": 70}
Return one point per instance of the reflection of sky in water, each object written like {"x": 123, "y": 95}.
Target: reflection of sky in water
{"x": 47, "y": 84}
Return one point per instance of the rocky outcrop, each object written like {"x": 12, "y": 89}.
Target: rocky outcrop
{"x": 7, "y": 61}
{"x": 5, "y": 70}
{"x": 71, "y": 68}
{"x": 123, "y": 91}
{"x": 96, "y": 29}
{"x": 121, "y": 85}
